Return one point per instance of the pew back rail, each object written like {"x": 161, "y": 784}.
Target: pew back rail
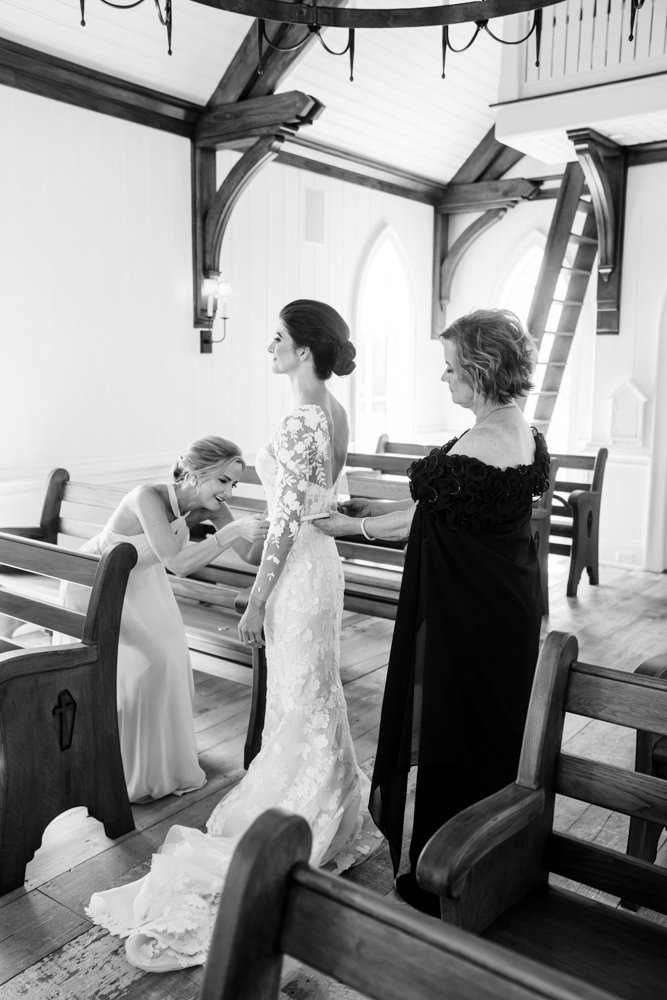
{"x": 490, "y": 864}
{"x": 273, "y": 904}
{"x": 58, "y": 725}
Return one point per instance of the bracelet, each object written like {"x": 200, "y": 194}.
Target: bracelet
{"x": 363, "y": 529}
{"x": 217, "y": 540}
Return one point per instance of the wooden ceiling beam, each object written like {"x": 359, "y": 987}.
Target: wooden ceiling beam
{"x": 222, "y": 127}
{"x": 489, "y": 160}
{"x": 60, "y": 80}
{"x": 482, "y": 195}
{"x": 241, "y": 80}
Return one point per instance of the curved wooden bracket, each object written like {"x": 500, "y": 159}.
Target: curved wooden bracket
{"x": 460, "y": 247}
{"x": 446, "y": 260}
{"x": 604, "y": 165}
{"x": 260, "y": 153}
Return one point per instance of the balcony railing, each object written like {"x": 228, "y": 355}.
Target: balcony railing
{"x": 585, "y": 42}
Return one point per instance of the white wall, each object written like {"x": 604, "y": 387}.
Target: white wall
{"x": 101, "y": 366}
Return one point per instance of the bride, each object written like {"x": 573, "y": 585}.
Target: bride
{"x": 307, "y": 762}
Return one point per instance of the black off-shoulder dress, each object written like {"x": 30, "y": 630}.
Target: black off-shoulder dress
{"x": 465, "y": 644}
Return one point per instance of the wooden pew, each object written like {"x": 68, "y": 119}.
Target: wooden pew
{"x": 59, "y": 744}
{"x": 650, "y": 758}
{"x": 490, "y": 864}
{"x": 389, "y": 463}
{"x": 212, "y": 599}
{"x": 274, "y": 904}
{"x": 578, "y": 517}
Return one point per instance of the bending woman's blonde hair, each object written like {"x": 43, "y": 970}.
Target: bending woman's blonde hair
{"x": 205, "y": 457}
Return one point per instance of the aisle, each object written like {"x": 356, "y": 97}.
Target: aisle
{"x": 49, "y": 950}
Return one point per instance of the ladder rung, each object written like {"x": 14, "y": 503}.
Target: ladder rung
{"x": 575, "y": 270}
{"x": 585, "y": 206}
{"x": 552, "y": 364}
{"x": 582, "y": 240}
{"x": 568, "y": 302}
{"x": 544, "y": 392}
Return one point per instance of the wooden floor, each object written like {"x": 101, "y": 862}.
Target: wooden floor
{"x": 48, "y": 949}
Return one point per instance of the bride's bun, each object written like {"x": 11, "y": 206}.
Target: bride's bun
{"x": 318, "y": 326}
{"x": 345, "y": 361}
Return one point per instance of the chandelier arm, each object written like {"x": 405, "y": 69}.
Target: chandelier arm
{"x": 506, "y": 42}
{"x": 286, "y": 48}
{"x": 332, "y": 52}
{"x": 344, "y": 17}
{"x": 478, "y": 27}
{"x": 122, "y": 6}
{"x": 166, "y": 20}
{"x": 634, "y": 7}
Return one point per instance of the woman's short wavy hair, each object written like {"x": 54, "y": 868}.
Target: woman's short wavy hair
{"x": 495, "y": 354}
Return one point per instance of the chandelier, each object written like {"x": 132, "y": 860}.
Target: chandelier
{"x": 315, "y": 17}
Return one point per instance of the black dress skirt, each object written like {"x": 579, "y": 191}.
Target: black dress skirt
{"x": 465, "y": 642}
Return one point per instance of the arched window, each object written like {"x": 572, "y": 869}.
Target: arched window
{"x": 384, "y": 397}
{"x": 517, "y": 295}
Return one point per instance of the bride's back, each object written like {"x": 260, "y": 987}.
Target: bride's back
{"x": 339, "y": 433}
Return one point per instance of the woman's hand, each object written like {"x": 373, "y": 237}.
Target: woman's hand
{"x": 253, "y": 528}
{"x": 252, "y": 623}
{"x": 359, "y": 507}
{"x": 337, "y": 524}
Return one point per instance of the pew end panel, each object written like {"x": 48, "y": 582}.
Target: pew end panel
{"x": 59, "y": 744}
{"x": 578, "y": 517}
{"x": 490, "y": 864}
{"x": 274, "y": 904}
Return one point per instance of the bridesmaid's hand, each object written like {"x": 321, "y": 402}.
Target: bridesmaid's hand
{"x": 252, "y": 623}
{"x": 337, "y": 525}
{"x": 253, "y": 528}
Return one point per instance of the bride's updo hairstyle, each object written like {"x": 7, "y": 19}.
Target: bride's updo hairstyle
{"x": 205, "y": 458}
{"x": 495, "y": 354}
{"x": 318, "y": 326}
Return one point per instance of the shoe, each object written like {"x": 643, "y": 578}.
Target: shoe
{"x": 407, "y": 888}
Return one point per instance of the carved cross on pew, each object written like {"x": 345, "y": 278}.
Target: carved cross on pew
{"x": 63, "y": 714}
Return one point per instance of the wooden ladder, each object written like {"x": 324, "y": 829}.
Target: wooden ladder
{"x": 561, "y": 238}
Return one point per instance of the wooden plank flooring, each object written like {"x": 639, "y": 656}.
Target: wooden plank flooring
{"x": 48, "y": 948}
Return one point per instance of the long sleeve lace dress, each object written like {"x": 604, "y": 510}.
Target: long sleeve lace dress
{"x": 307, "y": 763}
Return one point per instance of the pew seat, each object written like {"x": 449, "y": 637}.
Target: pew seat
{"x": 59, "y": 743}
{"x": 274, "y": 904}
{"x": 212, "y": 599}
{"x": 490, "y": 865}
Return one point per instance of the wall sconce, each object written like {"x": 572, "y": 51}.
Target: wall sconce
{"x": 216, "y": 294}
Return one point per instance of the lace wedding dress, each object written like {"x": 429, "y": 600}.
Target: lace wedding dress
{"x": 307, "y": 762}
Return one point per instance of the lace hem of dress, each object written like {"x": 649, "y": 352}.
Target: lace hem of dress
{"x": 465, "y": 493}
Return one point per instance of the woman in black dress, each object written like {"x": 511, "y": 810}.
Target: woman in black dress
{"x": 467, "y": 628}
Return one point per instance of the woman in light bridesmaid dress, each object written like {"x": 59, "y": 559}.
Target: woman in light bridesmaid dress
{"x": 154, "y": 677}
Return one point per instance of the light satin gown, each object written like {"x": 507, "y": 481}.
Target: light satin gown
{"x": 155, "y": 686}
{"x": 307, "y": 763}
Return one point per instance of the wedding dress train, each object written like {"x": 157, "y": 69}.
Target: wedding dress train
{"x": 307, "y": 763}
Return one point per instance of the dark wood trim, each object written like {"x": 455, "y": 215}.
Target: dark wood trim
{"x": 414, "y": 180}
{"x": 646, "y": 152}
{"x": 482, "y": 195}
{"x": 225, "y": 125}
{"x": 354, "y": 177}
{"x": 604, "y": 165}
{"x": 440, "y": 244}
{"x": 203, "y": 184}
{"x": 60, "y": 80}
